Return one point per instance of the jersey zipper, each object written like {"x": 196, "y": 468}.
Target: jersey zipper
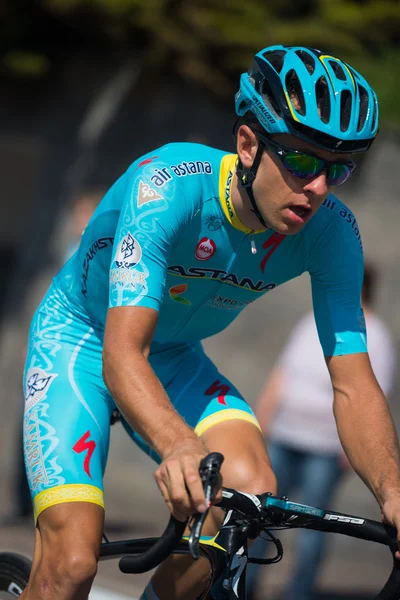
{"x": 253, "y": 243}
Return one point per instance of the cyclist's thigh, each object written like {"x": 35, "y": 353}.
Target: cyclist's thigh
{"x": 199, "y": 392}
{"x": 67, "y": 409}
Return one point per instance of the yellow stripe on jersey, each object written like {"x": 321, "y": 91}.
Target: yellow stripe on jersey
{"x": 224, "y": 415}
{"x": 67, "y": 493}
{"x": 227, "y": 170}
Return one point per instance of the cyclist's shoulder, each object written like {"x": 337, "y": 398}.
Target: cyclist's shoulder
{"x": 335, "y": 220}
{"x": 182, "y": 158}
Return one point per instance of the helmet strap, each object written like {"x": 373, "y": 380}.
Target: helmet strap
{"x": 247, "y": 178}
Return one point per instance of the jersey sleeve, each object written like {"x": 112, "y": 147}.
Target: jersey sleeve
{"x": 154, "y": 213}
{"x": 337, "y": 269}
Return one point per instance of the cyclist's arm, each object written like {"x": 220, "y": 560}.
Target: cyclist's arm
{"x": 150, "y": 224}
{"x": 363, "y": 418}
{"x": 133, "y": 383}
{"x": 146, "y": 406}
{"x": 365, "y": 425}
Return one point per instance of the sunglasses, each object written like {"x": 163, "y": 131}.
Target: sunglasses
{"x": 308, "y": 166}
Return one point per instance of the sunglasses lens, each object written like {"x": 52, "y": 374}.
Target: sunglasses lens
{"x": 303, "y": 165}
{"x": 339, "y": 173}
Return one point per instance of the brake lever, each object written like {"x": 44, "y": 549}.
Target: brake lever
{"x": 209, "y": 473}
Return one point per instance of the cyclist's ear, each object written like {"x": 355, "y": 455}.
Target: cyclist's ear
{"x": 246, "y": 145}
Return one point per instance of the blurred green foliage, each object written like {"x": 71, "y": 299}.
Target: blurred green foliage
{"x": 210, "y": 41}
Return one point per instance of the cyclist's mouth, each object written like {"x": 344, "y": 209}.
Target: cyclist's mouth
{"x": 299, "y": 214}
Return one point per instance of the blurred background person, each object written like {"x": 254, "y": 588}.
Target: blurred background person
{"x": 295, "y": 412}
{"x": 83, "y": 206}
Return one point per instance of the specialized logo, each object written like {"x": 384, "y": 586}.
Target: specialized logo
{"x": 147, "y": 194}
{"x": 214, "y": 222}
{"x": 37, "y": 384}
{"x": 175, "y": 294}
{"x": 205, "y": 249}
{"x": 272, "y": 243}
{"x": 260, "y": 108}
{"x": 128, "y": 253}
{"x": 239, "y": 563}
{"x": 223, "y": 276}
{"x": 82, "y": 445}
{"x": 222, "y": 388}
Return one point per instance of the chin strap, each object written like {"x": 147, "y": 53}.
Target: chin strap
{"x": 247, "y": 178}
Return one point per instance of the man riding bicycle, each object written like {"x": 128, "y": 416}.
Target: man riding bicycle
{"x": 183, "y": 241}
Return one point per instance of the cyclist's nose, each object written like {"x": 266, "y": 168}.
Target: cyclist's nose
{"x": 319, "y": 185}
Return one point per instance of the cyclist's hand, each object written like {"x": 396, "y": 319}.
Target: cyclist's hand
{"x": 179, "y": 480}
{"x": 391, "y": 515}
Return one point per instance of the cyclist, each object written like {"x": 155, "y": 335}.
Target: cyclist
{"x": 179, "y": 245}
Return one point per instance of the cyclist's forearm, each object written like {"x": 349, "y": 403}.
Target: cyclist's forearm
{"x": 144, "y": 402}
{"x": 370, "y": 441}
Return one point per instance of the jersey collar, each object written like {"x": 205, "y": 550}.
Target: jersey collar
{"x": 227, "y": 170}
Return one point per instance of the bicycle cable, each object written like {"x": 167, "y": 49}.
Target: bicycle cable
{"x": 274, "y": 559}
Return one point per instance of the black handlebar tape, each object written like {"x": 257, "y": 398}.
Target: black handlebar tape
{"x": 158, "y": 552}
{"x": 209, "y": 468}
{"x": 375, "y": 532}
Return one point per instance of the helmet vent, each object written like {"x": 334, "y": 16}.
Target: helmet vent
{"x": 323, "y": 99}
{"x": 345, "y": 110}
{"x": 375, "y": 115}
{"x": 295, "y": 92}
{"x": 276, "y": 58}
{"x": 253, "y": 72}
{"x": 269, "y": 97}
{"x": 307, "y": 60}
{"x": 337, "y": 69}
{"x": 364, "y": 101}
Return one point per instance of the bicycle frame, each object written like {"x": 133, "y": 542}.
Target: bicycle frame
{"x": 247, "y": 515}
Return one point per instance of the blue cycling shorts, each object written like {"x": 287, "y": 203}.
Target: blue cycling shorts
{"x": 68, "y": 407}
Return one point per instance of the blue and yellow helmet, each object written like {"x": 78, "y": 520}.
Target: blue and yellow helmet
{"x": 311, "y": 95}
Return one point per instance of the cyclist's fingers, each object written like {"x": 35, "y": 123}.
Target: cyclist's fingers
{"x": 194, "y": 485}
{"x": 172, "y": 474}
{"x": 165, "y": 493}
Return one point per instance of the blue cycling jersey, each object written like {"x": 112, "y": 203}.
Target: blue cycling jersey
{"x": 166, "y": 236}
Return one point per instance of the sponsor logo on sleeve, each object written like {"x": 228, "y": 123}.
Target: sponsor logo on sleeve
{"x": 205, "y": 249}
{"x": 129, "y": 253}
{"x": 147, "y": 194}
{"x": 194, "y": 167}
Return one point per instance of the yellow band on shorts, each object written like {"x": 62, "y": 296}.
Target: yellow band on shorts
{"x": 67, "y": 493}
{"x": 224, "y": 415}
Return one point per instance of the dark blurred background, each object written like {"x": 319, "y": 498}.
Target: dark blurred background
{"x": 87, "y": 86}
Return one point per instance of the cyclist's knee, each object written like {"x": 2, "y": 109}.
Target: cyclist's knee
{"x": 250, "y": 475}
{"x": 70, "y": 539}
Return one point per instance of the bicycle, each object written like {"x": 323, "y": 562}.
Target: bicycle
{"x": 246, "y": 516}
